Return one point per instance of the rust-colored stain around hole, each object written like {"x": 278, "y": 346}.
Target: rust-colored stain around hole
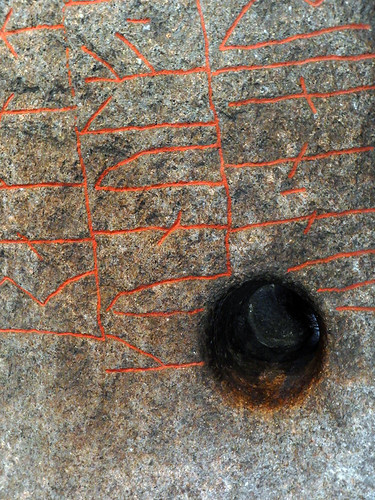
{"x": 265, "y": 344}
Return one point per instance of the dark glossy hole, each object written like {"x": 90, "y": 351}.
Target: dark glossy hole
{"x": 266, "y": 342}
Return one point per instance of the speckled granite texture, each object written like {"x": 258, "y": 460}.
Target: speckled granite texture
{"x": 153, "y": 153}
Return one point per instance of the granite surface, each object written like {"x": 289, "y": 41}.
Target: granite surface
{"x": 153, "y": 154}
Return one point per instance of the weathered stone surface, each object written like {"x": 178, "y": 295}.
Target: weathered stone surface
{"x": 137, "y": 186}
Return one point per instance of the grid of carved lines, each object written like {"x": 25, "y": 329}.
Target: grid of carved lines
{"x": 164, "y": 232}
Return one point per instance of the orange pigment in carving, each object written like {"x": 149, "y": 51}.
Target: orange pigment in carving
{"x": 347, "y": 288}
{"x": 51, "y": 295}
{"x": 301, "y": 62}
{"x": 325, "y": 260}
{"x": 356, "y": 308}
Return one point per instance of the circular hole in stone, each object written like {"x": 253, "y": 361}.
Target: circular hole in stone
{"x": 266, "y": 342}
